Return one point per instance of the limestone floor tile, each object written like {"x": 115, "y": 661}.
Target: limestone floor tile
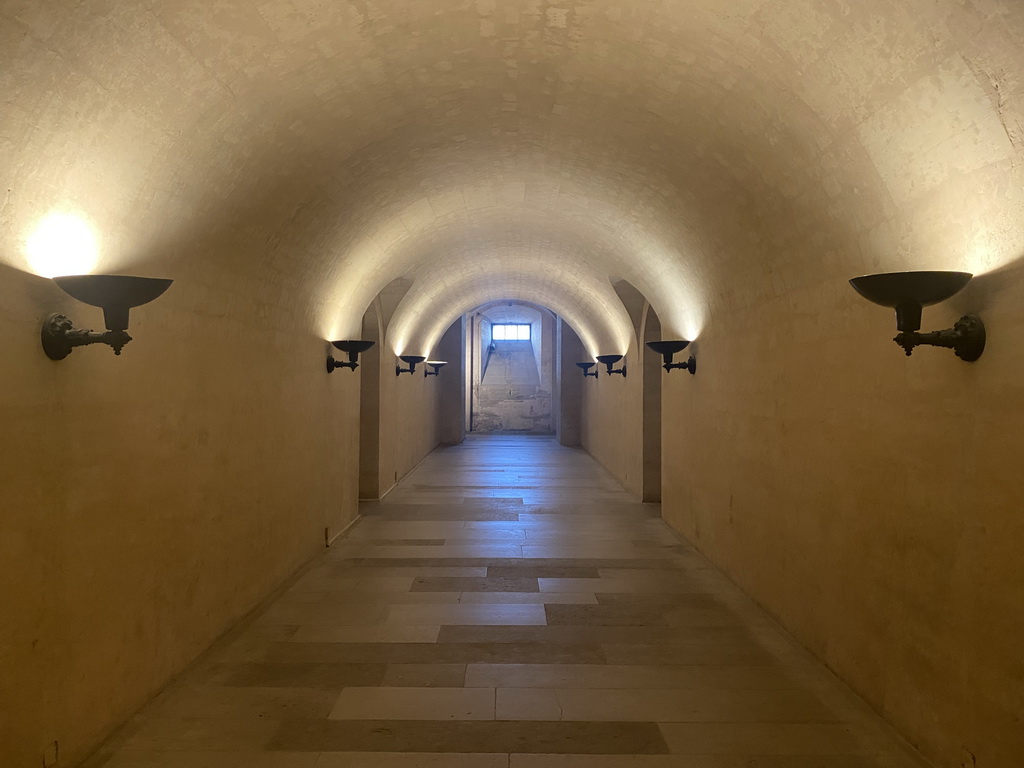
{"x": 493, "y": 526}
{"x": 469, "y": 736}
{"x": 434, "y": 653}
{"x": 690, "y": 706}
{"x": 482, "y": 550}
{"x": 611, "y": 677}
{"x": 574, "y": 598}
{"x": 409, "y": 760}
{"x": 599, "y": 551}
{"x": 629, "y": 586}
{"x": 390, "y": 633}
{"x": 414, "y": 704}
{"x": 740, "y": 653}
{"x": 466, "y": 614}
{"x": 527, "y": 704}
{"x": 374, "y": 598}
{"x": 605, "y": 615}
{"x": 772, "y": 739}
{"x": 498, "y": 535}
{"x": 530, "y": 569}
{"x": 487, "y": 584}
{"x": 425, "y": 676}
{"x": 374, "y": 569}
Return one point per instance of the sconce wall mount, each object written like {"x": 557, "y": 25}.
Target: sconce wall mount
{"x": 115, "y": 295}
{"x": 412, "y": 360}
{"x": 609, "y": 361}
{"x": 908, "y": 293}
{"x": 669, "y": 348}
{"x": 435, "y": 367}
{"x": 585, "y": 367}
{"x": 353, "y": 347}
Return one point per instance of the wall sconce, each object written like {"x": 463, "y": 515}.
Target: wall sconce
{"x": 436, "y": 366}
{"x": 353, "y": 348}
{"x": 115, "y": 295}
{"x": 908, "y": 292}
{"x": 412, "y": 360}
{"x": 668, "y": 348}
{"x": 609, "y": 361}
{"x": 585, "y": 367}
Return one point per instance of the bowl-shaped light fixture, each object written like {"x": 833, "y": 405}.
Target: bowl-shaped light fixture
{"x": 669, "y": 348}
{"x": 353, "y": 348}
{"x": 908, "y": 293}
{"x": 412, "y": 360}
{"x": 435, "y": 367}
{"x": 585, "y": 367}
{"x": 609, "y": 361}
{"x": 115, "y": 295}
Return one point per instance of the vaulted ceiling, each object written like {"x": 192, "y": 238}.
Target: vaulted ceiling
{"x": 525, "y": 150}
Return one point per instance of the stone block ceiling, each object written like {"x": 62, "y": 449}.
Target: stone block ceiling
{"x": 523, "y": 149}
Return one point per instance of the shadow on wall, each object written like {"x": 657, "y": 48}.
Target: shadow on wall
{"x": 33, "y": 290}
{"x": 984, "y": 288}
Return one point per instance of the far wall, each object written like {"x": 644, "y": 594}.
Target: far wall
{"x": 513, "y": 384}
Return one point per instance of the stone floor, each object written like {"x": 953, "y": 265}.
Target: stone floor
{"x": 507, "y": 606}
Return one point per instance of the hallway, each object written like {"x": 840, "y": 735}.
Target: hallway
{"x": 507, "y": 606}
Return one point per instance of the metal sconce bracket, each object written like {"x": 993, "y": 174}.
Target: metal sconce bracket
{"x": 435, "y": 366}
{"x": 609, "y": 361}
{"x": 59, "y": 337}
{"x": 690, "y": 365}
{"x": 585, "y": 367}
{"x": 412, "y": 360}
{"x": 115, "y": 295}
{"x": 669, "y": 348}
{"x": 966, "y": 338}
{"x": 908, "y": 293}
{"x": 353, "y": 347}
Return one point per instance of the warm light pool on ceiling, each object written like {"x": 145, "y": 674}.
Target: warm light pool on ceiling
{"x": 62, "y": 244}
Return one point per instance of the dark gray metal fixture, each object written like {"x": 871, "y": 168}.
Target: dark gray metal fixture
{"x": 585, "y": 367}
{"x": 435, "y": 366}
{"x": 353, "y": 348}
{"x": 115, "y": 295}
{"x": 668, "y": 348}
{"x": 412, "y": 360}
{"x": 908, "y": 292}
{"x": 609, "y": 361}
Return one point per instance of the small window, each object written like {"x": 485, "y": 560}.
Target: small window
{"x": 506, "y": 332}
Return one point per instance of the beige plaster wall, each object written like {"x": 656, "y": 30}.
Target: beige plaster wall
{"x": 870, "y": 501}
{"x": 411, "y": 421}
{"x": 569, "y": 384}
{"x": 410, "y": 427}
{"x": 611, "y": 422}
{"x": 150, "y": 500}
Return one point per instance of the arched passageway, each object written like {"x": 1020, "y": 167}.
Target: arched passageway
{"x": 294, "y": 165}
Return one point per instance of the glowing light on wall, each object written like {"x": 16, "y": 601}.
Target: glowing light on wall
{"x": 62, "y": 244}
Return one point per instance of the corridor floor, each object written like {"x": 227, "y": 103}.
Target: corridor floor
{"x": 507, "y": 606}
